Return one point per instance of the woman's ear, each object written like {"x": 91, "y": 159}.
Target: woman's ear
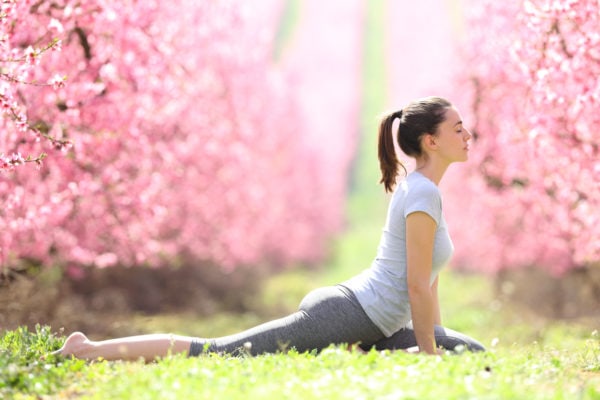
{"x": 429, "y": 141}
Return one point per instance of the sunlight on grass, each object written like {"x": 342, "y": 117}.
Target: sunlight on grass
{"x": 533, "y": 371}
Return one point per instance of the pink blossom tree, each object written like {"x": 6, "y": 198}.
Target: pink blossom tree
{"x": 20, "y": 55}
{"x": 186, "y": 139}
{"x": 327, "y": 74}
{"x": 530, "y": 194}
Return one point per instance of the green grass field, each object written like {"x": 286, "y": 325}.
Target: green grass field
{"x": 532, "y": 359}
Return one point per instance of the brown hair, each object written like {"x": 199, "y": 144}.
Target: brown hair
{"x": 416, "y": 119}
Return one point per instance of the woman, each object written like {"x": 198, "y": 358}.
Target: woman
{"x": 393, "y": 304}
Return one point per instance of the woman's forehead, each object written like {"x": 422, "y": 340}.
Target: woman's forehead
{"x": 452, "y": 116}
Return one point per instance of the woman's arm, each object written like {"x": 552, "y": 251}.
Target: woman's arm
{"x": 437, "y": 315}
{"x": 420, "y": 233}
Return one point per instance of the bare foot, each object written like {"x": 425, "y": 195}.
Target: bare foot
{"x": 77, "y": 344}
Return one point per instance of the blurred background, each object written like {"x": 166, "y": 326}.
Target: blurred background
{"x": 202, "y": 165}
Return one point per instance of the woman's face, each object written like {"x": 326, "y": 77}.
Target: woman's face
{"x": 452, "y": 138}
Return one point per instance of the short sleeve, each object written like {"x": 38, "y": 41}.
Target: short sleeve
{"x": 424, "y": 197}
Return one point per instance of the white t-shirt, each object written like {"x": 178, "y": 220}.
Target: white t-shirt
{"x": 382, "y": 289}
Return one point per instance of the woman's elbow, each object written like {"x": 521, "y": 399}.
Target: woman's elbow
{"x": 418, "y": 289}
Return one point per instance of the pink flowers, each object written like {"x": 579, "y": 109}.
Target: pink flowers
{"x": 186, "y": 141}
{"x": 8, "y": 163}
{"x": 31, "y": 55}
{"x": 57, "y": 81}
{"x": 533, "y": 182}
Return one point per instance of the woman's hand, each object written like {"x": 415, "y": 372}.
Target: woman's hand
{"x": 415, "y": 350}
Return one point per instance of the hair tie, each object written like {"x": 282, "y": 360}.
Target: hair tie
{"x": 398, "y": 114}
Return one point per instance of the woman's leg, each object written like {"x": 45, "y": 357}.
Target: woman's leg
{"x": 330, "y": 315}
{"x": 147, "y": 347}
{"x": 444, "y": 338}
{"x": 326, "y": 316}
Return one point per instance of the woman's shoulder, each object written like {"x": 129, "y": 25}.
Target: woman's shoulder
{"x": 422, "y": 195}
{"x": 417, "y": 184}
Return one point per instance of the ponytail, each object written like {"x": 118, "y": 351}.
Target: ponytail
{"x": 388, "y": 162}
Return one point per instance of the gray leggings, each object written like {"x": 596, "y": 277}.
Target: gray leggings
{"x": 326, "y": 316}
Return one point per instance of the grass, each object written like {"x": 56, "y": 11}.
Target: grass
{"x": 538, "y": 370}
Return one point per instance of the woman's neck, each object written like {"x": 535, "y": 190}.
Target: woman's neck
{"x": 432, "y": 170}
